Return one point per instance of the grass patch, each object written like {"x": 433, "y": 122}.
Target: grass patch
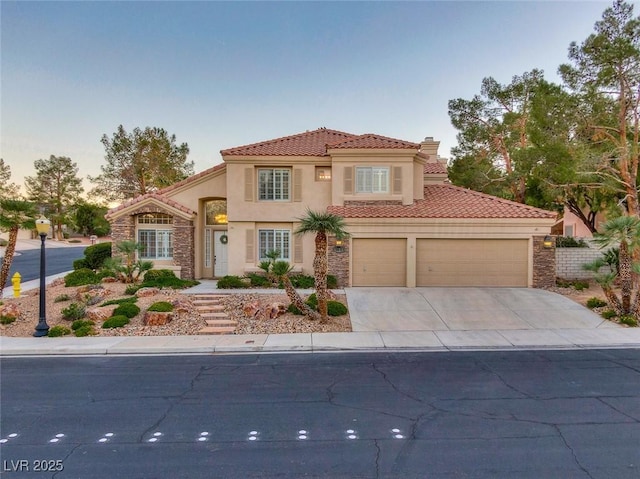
{"x": 131, "y": 299}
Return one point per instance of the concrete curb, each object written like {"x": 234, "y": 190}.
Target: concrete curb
{"x": 320, "y": 342}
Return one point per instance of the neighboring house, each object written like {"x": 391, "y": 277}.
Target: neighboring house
{"x": 572, "y": 225}
{"x": 407, "y": 225}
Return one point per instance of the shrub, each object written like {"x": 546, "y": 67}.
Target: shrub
{"x": 131, "y": 299}
{"x": 231, "y": 282}
{"x": 7, "y": 319}
{"x": 595, "y": 303}
{"x": 115, "y": 322}
{"x": 3, "y": 242}
{"x": 158, "y": 274}
{"x": 332, "y": 282}
{"x": 628, "y": 320}
{"x": 80, "y": 323}
{"x": 86, "y": 330}
{"x": 312, "y": 301}
{"x": 336, "y": 308}
{"x": 96, "y": 254}
{"x": 259, "y": 280}
{"x": 126, "y": 309}
{"x": 132, "y": 289}
{"x": 570, "y": 242}
{"x": 81, "y": 277}
{"x": 580, "y": 285}
{"x": 80, "y": 263}
{"x": 62, "y": 297}
{"x": 73, "y": 311}
{"x": 169, "y": 282}
{"x": 161, "y": 307}
{"x": 293, "y": 309}
{"x": 302, "y": 281}
{"x": 58, "y": 331}
{"x": 608, "y": 314}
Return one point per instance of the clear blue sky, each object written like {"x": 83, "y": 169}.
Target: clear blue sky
{"x": 224, "y": 74}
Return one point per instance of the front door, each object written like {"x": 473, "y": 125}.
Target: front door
{"x": 220, "y": 260}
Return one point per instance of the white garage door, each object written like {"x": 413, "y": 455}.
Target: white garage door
{"x": 472, "y": 262}
{"x": 379, "y": 262}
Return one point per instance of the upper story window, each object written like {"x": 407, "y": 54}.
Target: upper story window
{"x": 372, "y": 179}
{"x": 323, "y": 173}
{"x": 155, "y": 219}
{"x": 215, "y": 212}
{"x": 274, "y": 184}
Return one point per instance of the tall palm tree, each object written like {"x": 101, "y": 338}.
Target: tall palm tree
{"x": 625, "y": 232}
{"x": 14, "y": 215}
{"x": 322, "y": 224}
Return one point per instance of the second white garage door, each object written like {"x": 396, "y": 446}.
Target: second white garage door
{"x": 472, "y": 262}
{"x": 379, "y": 262}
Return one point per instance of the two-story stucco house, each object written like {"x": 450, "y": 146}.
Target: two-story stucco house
{"x": 407, "y": 225}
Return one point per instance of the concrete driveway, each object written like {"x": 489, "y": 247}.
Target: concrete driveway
{"x": 466, "y": 309}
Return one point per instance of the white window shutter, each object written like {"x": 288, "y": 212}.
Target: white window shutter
{"x": 250, "y": 255}
{"x": 297, "y": 184}
{"x": 397, "y": 180}
{"x": 348, "y": 180}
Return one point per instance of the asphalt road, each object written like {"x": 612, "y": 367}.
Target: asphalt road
{"x": 538, "y": 414}
{"x": 58, "y": 260}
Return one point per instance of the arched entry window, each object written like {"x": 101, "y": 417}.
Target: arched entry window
{"x": 215, "y": 212}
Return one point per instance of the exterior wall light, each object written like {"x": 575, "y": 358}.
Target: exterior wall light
{"x": 339, "y": 248}
{"x": 547, "y": 242}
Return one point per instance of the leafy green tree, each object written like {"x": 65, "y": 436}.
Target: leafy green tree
{"x": 140, "y": 162}
{"x": 493, "y": 137}
{"x": 89, "y": 219}
{"x": 14, "y": 215}
{"x": 56, "y": 187}
{"x": 7, "y": 188}
{"x": 321, "y": 224}
{"x": 604, "y": 73}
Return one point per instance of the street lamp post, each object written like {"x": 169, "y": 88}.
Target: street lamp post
{"x": 42, "y": 329}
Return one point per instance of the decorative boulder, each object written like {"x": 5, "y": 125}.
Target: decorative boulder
{"x": 155, "y": 318}
{"x": 102, "y": 313}
{"x": 91, "y": 294}
{"x": 274, "y": 310}
{"x": 145, "y": 292}
{"x": 10, "y": 310}
{"x": 180, "y": 306}
{"x": 252, "y": 309}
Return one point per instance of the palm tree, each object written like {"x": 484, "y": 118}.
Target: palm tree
{"x": 625, "y": 232}
{"x": 14, "y": 215}
{"x": 321, "y": 223}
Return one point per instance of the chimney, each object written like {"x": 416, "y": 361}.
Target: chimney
{"x": 430, "y": 147}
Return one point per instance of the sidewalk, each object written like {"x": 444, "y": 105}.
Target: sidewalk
{"x": 383, "y": 341}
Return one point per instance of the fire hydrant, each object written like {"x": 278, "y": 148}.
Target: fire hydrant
{"x": 15, "y": 280}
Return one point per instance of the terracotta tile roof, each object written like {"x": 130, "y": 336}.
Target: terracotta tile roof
{"x": 447, "y": 201}
{"x": 156, "y": 196}
{"x": 370, "y": 140}
{"x": 192, "y": 178}
{"x": 309, "y": 143}
{"x": 435, "y": 169}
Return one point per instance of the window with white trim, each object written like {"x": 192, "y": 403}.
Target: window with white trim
{"x": 274, "y": 184}
{"x": 155, "y": 244}
{"x": 372, "y": 179}
{"x": 279, "y": 240}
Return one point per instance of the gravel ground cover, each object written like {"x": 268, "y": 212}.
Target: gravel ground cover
{"x": 186, "y": 323}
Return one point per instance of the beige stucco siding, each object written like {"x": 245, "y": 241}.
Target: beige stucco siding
{"x": 314, "y": 194}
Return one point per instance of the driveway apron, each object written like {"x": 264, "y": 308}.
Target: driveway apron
{"x": 466, "y": 309}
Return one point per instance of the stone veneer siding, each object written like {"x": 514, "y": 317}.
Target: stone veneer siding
{"x": 124, "y": 228}
{"x": 544, "y": 263}
{"x": 339, "y": 262}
